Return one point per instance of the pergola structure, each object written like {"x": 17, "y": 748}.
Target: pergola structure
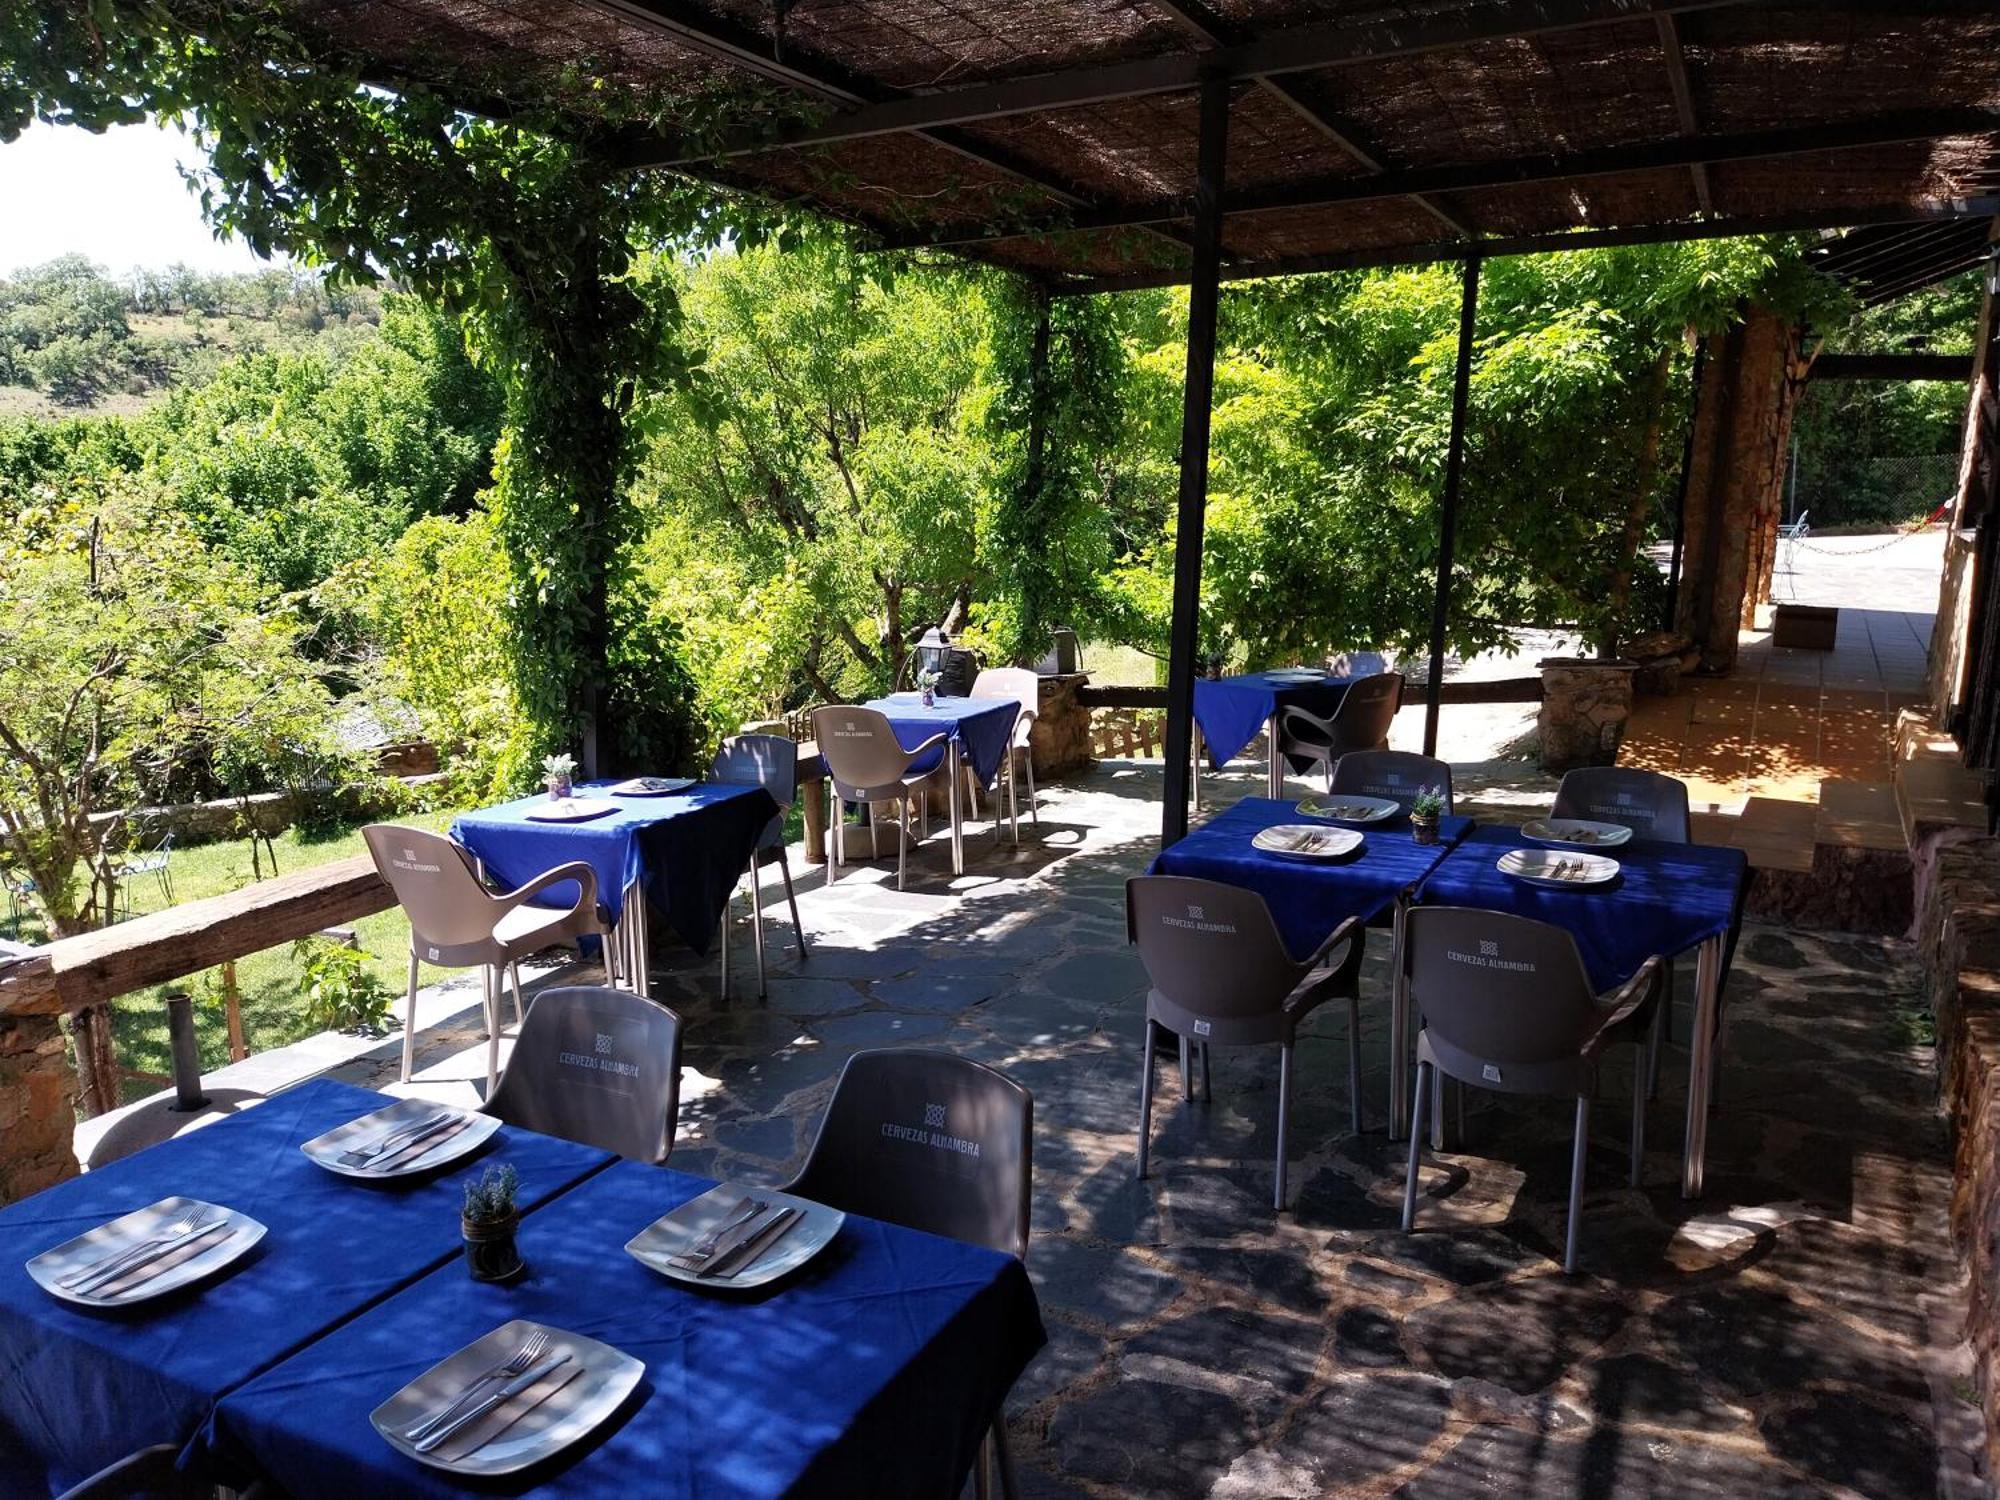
{"x": 1098, "y": 145}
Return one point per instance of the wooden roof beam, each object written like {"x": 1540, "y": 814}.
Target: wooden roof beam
{"x": 1298, "y": 49}
{"x": 1677, "y": 80}
{"x": 1880, "y": 130}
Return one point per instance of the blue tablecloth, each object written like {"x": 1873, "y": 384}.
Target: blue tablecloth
{"x": 1308, "y": 898}
{"x": 1232, "y": 710}
{"x": 983, "y": 727}
{"x": 873, "y": 1371}
{"x": 1667, "y": 899}
{"x": 79, "y": 1388}
{"x": 690, "y": 849}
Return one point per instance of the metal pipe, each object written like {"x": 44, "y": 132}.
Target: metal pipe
{"x": 186, "y": 1054}
{"x": 1196, "y": 401}
{"x": 1454, "y": 468}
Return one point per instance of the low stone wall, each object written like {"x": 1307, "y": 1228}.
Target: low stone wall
{"x": 1060, "y": 738}
{"x": 37, "y": 1106}
{"x": 1959, "y": 937}
{"x": 1585, "y": 706}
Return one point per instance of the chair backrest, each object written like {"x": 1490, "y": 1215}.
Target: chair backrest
{"x": 1504, "y": 992}
{"x": 1653, "y": 806}
{"x": 767, "y": 760}
{"x": 1018, "y": 683}
{"x": 928, "y": 1140}
{"x": 597, "y": 1066}
{"x": 860, "y": 747}
{"x": 451, "y": 914}
{"x": 148, "y": 1474}
{"x": 1396, "y": 774}
{"x": 1210, "y": 949}
{"x": 1362, "y": 721}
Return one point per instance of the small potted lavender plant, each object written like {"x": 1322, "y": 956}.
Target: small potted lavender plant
{"x": 559, "y": 773}
{"x": 1426, "y": 807}
{"x": 927, "y": 684}
{"x": 488, "y": 1223}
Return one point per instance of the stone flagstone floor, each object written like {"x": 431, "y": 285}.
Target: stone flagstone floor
{"x": 1792, "y": 1334}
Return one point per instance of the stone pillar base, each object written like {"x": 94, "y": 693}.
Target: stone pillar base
{"x": 1585, "y": 705}
{"x": 37, "y": 1106}
{"x": 1060, "y": 739}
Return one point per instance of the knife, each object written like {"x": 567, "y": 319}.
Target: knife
{"x": 426, "y": 1140}
{"x": 361, "y": 1156}
{"x": 486, "y": 1404}
{"x": 119, "y": 1273}
{"x": 754, "y": 1244}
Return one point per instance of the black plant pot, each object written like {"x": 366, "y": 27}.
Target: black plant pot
{"x": 490, "y": 1254}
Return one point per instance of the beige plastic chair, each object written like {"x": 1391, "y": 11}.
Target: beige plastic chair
{"x": 1397, "y": 775}
{"x": 866, "y": 763}
{"x": 1507, "y": 1005}
{"x": 1221, "y": 974}
{"x": 1025, "y": 688}
{"x": 457, "y": 923}
{"x": 1361, "y": 722}
{"x": 624, "y": 1096}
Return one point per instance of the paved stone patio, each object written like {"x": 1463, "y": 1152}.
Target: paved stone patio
{"x": 1792, "y": 1334}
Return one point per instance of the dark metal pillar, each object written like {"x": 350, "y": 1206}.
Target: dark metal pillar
{"x": 1199, "y": 395}
{"x": 1454, "y": 468}
{"x": 1681, "y": 489}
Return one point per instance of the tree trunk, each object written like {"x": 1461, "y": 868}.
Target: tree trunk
{"x": 96, "y": 1059}
{"x": 1642, "y": 492}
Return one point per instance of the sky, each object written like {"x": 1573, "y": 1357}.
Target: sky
{"x": 115, "y": 197}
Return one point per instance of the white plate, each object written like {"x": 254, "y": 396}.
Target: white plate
{"x": 204, "y": 1254}
{"x": 1564, "y": 871}
{"x": 570, "y": 810}
{"x": 326, "y": 1150}
{"x": 516, "y": 1434}
{"x": 1307, "y": 841}
{"x": 1295, "y": 674}
{"x": 1345, "y": 807}
{"x": 1576, "y": 833}
{"x": 651, "y": 786}
{"x": 674, "y": 1233}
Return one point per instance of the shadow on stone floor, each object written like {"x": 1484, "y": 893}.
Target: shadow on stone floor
{"x": 1778, "y": 1337}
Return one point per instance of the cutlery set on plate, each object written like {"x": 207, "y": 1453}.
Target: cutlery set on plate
{"x": 145, "y": 1254}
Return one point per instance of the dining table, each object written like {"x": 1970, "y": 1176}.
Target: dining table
{"x": 979, "y": 735}
{"x": 85, "y": 1386}
{"x": 1667, "y": 899}
{"x": 679, "y": 855}
{"x": 1230, "y": 711}
{"x": 874, "y": 1369}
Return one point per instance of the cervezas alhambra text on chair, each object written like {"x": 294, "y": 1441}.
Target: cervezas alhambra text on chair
{"x": 1025, "y": 688}
{"x": 1507, "y": 1005}
{"x": 1397, "y": 775}
{"x": 866, "y": 763}
{"x": 1221, "y": 976}
{"x": 1361, "y": 722}
{"x": 1653, "y": 806}
{"x": 772, "y": 762}
{"x": 457, "y": 923}
{"x": 981, "y": 1195}
{"x": 597, "y": 1066}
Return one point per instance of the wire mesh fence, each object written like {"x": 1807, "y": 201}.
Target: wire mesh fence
{"x": 1889, "y": 491}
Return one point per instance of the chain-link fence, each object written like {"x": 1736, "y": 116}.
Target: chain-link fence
{"x": 1872, "y": 491}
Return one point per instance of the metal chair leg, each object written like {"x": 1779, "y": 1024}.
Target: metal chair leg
{"x": 902, "y": 839}
{"x": 982, "y": 1470}
{"x": 492, "y": 979}
{"x": 792, "y": 898}
{"x": 1662, "y": 1029}
{"x": 839, "y": 826}
{"x": 1207, "y": 1087}
{"x": 520, "y": 1001}
{"x": 1579, "y": 1150}
{"x": 1354, "y": 1059}
{"x": 410, "y": 1020}
{"x": 1146, "y": 1099}
{"x": 1009, "y": 1486}
{"x": 1034, "y": 813}
{"x": 1284, "y": 1120}
{"x": 757, "y": 926}
{"x": 1187, "y": 1073}
{"x": 723, "y": 943}
{"x": 1013, "y": 804}
{"x": 1420, "y": 1098}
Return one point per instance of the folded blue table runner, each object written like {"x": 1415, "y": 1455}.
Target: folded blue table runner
{"x": 874, "y": 1370}
{"x": 1308, "y": 898}
{"x": 690, "y": 849}
{"x": 1667, "y": 899}
{"x": 83, "y": 1388}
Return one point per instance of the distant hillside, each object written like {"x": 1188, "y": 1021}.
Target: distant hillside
{"x": 75, "y": 340}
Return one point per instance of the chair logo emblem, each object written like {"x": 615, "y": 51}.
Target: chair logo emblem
{"x": 1624, "y": 799}
{"x": 603, "y": 1045}
{"x": 1201, "y": 1028}
{"x": 410, "y": 854}
{"x": 1489, "y": 1072}
{"x": 1488, "y": 948}
{"x": 934, "y": 1116}
{"x": 431, "y": 954}
{"x": 1195, "y": 914}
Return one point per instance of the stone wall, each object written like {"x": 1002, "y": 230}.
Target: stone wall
{"x": 1585, "y": 705}
{"x": 1060, "y": 739}
{"x": 1959, "y": 936}
{"x": 37, "y": 1106}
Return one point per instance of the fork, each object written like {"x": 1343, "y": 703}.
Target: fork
{"x": 523, "y": 1359}
{"x": 699, "y": 1255}
{"x": 361, "y": 1156}
{"x": 185, "y": 1225}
